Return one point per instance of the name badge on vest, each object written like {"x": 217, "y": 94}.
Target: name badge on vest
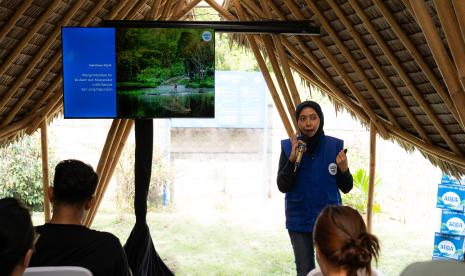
{"x": 332, "y": 169}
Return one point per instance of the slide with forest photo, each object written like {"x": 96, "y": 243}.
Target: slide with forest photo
{"x": 165, "y": 72}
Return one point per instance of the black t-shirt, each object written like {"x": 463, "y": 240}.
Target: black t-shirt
{"x": 76, "y": 245}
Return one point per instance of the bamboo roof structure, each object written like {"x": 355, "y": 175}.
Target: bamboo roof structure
{"x": 396, "y": 65}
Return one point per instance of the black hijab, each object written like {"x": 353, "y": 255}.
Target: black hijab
{"x": 312, "y": 142}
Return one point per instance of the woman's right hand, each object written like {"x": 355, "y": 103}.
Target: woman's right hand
{"x": 295, "y": 143}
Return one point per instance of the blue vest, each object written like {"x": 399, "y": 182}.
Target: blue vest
{"x": 315, "y": 185}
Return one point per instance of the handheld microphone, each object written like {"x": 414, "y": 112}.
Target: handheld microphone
{"x": 301, "y": 148}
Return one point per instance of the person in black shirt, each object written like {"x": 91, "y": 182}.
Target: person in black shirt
{"x": 65, "y": 241}
{"x": 16, "y": 237}
{"x": 314, "y": 182}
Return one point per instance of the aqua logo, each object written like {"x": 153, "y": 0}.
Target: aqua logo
{"x": 451, "y": 198}
{"x": 447, "y": 248}
{"x": 207, "y": 36}
{"x": 455, "y": 224}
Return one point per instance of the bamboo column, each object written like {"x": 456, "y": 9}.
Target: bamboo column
{"x": 266, "y": 74}
{"x": 45, "y": 174}
{"x": 371, "y": 187}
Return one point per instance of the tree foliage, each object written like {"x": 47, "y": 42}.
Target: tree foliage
{"x": 21, "y": 171}
{"x": 358, "y": 197}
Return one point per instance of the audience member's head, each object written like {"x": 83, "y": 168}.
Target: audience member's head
{"x": 342, "y": 242}
{"x": 16, "y": 237}
{"x": 74, "y": 183}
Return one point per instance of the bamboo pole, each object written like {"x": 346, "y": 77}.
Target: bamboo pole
{"x": 417, "y": 56}
{"x": 51, "y": 63}
{"x": 459, "y": 6}
{"x": 186, "y": 9}
{"x": 114, "y": 158}
{"x": 45, "y": 173}
{"x": 11, "y": 129}
{"x": 266, "y": 74}
{"x": 451, "y": 29}
{"x": 56, "y": 100}
{"x": 332, "y": 60}
{"x": 353, "y": 63}
{"x": 279, "y": 78}
{"x": 285, "y": 68}
{"x": 225, "y": 13}
{"x": 8, "y": 61}
{"x": 440, "y": 55}
{"x": 154, "y": 8}
{"x": 12, "y": 20}
{"x": 30, "y": 90}
{"x": 328, "y": 82}
{"x": 37, "y": 57}
{"x": 336, "y": 94}
{"x": 102, "y": 164}
{"x": 437, "y": 151}
{"x": 371, "y": 177}
{"x": 376, "y": 66}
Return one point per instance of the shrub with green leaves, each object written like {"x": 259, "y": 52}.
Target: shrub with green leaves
{"x": 358, "y": 196}
{"x": 21, "y": 171}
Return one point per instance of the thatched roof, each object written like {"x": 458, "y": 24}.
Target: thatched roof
{"x": 384, "y": 61}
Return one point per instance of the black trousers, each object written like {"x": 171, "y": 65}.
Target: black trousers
{"x": 304, "y": 254}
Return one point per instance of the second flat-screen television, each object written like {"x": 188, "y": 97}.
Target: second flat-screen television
{"x": 138, "y": 72}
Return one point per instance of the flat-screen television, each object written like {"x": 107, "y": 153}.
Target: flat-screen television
{"x": 138, "y": 72}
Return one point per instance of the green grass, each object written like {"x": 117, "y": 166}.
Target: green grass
{"x": 225, "y": 243}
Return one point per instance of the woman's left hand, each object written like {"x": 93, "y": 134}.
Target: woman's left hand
{"x": 341, "y": 161}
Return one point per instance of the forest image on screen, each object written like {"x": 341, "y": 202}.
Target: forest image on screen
{"x": 165, "y": 72}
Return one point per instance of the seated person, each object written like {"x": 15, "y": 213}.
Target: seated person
{"x": 65, "y": 241}
{"x": 16, "y": 237}
{"x": 342, "y": 244}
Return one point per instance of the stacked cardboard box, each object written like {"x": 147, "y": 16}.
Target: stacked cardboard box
{"x": 449, "y": 243}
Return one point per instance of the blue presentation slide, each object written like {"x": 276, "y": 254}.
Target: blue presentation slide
{"x": 89, "y": 72}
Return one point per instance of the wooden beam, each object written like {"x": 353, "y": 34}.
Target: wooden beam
{"x": 337, "y": 95}
{"x": 40, "y": 116}
{"x": 45, "y": 70}
{"x": 451, "y": 29}
{"x": 326, "y": 82}
{"x": 104, "y": 161}
{"x": 371, "y": 178}
{"x": 122, "y": 134}
{"x": 400, "y": 71}
{"x": 45, "y": 173}
{"x": 353, "y": 63}
{"x": 417, "y": 56}
{"x": 392, "y": 59}
{"x": 285, "y": 68}
{"x": 30, "y": 90}
{"x": 376, "y": 66}
{"x": 14, "y": 18}
{"x": 440, "y": 55}
{"x": 459, "y": 6}
{"x": 270, "y": 51}
{"x": 154, "y": 8}
{"x": 225, "y": 13}
{"x": 439, "y": 152}
{"x": 332, "y": 60}
{"x": 266, "y": 74}
{"x": 186, "y": 9}
{"x": 20, "y": 46}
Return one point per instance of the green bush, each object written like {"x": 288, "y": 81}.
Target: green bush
{"x": 358, "y": 196}
{"x": 21, "y": 171}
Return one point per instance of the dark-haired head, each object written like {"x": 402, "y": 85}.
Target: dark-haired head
{"x": 16, "y": 236}
{"x": 343, "y": 242}
{"x": 74, "y": 182}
